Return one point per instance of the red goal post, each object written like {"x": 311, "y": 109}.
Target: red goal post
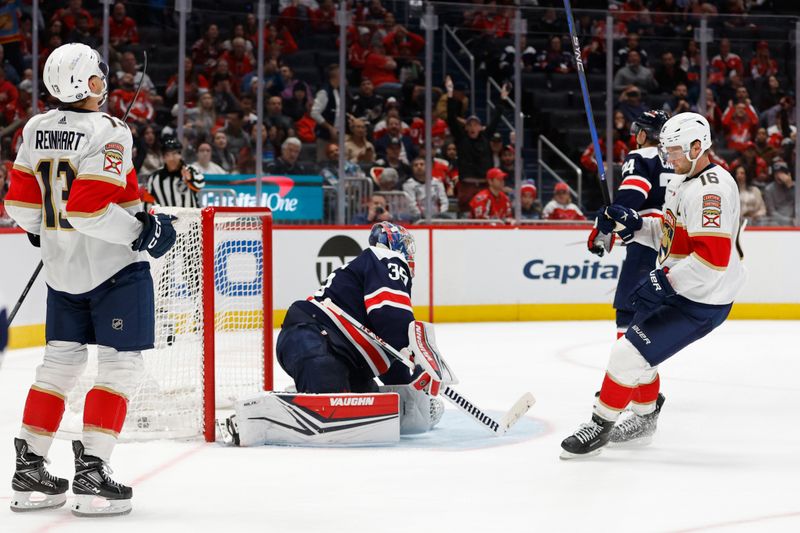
{"x": 208, "y": 217}
{"x": 213, "y": 327}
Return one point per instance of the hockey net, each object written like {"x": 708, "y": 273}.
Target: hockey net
{"x": 213, "y": 337}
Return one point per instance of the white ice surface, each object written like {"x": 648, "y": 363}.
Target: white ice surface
{"x": 726, "y": 456}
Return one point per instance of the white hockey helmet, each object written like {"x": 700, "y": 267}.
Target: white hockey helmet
{"x": 68, "y": 69}
{"x": 682, "y": 130}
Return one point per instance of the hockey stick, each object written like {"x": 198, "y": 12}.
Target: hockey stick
{"x": 587, "y": 104}
{"x": 41, "y": 263}
{"x": 25, "y": 293}
{"x": 499, "y": 428}
{"x": 139, "y": 88}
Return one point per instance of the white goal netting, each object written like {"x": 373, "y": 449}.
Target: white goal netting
{"x": 170, "y": 401}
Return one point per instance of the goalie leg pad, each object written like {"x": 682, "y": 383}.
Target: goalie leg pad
{"x": 118, "y": 376}
{"x": 319, "y": 419}
{"x": 63, "y": 363}
{"x": 419, "y": 412}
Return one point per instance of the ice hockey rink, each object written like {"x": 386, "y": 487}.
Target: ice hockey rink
{"x": 726, "y": 456}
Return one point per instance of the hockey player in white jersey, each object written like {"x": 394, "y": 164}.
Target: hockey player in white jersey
{"x": 74, "y": 190}
{"x": 690, "y": 292}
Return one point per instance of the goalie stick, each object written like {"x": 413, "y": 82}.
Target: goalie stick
{"x": 498, "y": 428}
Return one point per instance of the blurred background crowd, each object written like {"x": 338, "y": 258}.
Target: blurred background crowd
{"x": 745, "y": 87}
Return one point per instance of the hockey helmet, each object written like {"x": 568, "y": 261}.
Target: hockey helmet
{"x": 395, "y": 238}
{"x": 68, "y": 69}
{"x": 682, "y": 130}
{"x": 650, "y": 122}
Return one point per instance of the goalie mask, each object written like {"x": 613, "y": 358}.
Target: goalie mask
{"x": 68, "y": 70}
{"x": 395, "y": 238}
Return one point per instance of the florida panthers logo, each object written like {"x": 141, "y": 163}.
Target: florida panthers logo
{"x": 668, "y": 229}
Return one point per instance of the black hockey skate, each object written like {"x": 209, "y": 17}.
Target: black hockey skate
{"x": 34, "y": 487}
{"x": 588, "y": 440}
{"x": 636, "y": 430}
{"x": 96, "y": 494}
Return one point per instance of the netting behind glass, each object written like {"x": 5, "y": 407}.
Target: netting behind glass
{"x": 169, "y": 401}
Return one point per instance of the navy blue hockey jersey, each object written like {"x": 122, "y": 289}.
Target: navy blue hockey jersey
{"x": 644, "y": 182}
{"x": 375, "y": 289}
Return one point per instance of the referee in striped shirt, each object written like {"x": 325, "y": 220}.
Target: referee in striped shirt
{"x": 175, "y": 184}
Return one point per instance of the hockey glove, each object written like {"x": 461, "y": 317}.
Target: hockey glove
{"x": 652, "y": 291}
{"x": 600, "y": 242}
{"x": 157, "y": 235}
{"x": 36, "y": 240}
{"x": 626, "y": 221}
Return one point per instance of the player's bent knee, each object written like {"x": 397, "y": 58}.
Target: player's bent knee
{"x": 626, "y": 364}
{"x": 119, "y": 371}
{"x": 63, "y": 364}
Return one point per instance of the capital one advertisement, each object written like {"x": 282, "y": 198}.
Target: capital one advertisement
{"x": 494, "y": 267}
{"x": 289, "y": 197}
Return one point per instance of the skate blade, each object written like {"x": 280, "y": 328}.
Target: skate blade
{"x": 88, "y": 506}
{"x": 24, "y": 502}
{"x": 565, "y": 455}
{"x": 633, "y": 443}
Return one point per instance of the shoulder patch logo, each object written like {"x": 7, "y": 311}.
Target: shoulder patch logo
{"x": 112, "y": 154}
{"x": 712, "y": 210}
{"x": 63, "y": 120}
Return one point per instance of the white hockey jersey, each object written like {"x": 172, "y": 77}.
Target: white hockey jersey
{"x": 698, "y": 239}
{"x": 74, "y": 184}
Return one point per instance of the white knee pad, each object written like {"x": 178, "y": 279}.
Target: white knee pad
{"x": 63, "y": 364}
{"x": 626, "y": 365}
{"x": 119, "y": 371}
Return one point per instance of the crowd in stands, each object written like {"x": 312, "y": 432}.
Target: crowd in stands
{"x": 748, "y": 101}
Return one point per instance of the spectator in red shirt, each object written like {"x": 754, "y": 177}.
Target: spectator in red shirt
{"x": 142, "y": 111}
{"x": 194, "y": 84}
{"x": 723, "y": 63}
{"x": 359, "y": 49}
{"x": 491, "y": 202}
{"x": 323, "y": 20}
{"x": 713, "y": 113}
{"x": 753, "y": 163}
{"x": 561, "y": 206}
{"x": 239, "y": 62}
{"x": 69, "y": 15}
{"x": 82, "y": 33}
{"x": 380, "y": 68}
{"x": 589, "y": 162}
{"x": 8, "y": 98}
{"x": 400, "y": 36}
{"x": 122, "y": 29}
{"x": 206, "y": 51}
{"x": 739, "y": 121}
{"x": 762, "y": 65}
